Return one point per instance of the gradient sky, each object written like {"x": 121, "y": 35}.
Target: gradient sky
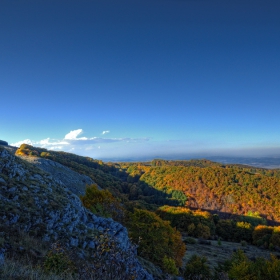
{"x": 141, "y": 78}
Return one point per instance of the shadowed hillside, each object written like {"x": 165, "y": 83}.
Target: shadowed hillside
{"x": 225, "y": 188}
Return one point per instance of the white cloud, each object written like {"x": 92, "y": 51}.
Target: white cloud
{"x": 26, "y": 141}
{"x": 56, "y": 148}
{"x": 72, "y": 135}
{"x": 46, "y": 142}
{"x": 105, "y": 132}
{"x": 72, "y": 141}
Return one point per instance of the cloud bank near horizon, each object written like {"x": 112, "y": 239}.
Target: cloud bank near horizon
{"x": 73, "y": 142}
{"x": 133, "y": 148}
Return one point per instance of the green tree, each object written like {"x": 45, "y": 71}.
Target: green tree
{"x": 169, "y": 266}
{"x": 224, "y": 229}
{"x": 156, "y": 237}
{"x": 202, "y": 231}
{"x": 239, "y": 267}
{"x": 262, "y": 235}
{"x": 243, "y": 231}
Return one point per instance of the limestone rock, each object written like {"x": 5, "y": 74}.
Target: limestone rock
{"x": 3, "y": 143}
{"x": 2, "y": 182}
{"x": 2, "y": 258}
{"x": 74, "y": 181}
{"x": 40, "y": 203}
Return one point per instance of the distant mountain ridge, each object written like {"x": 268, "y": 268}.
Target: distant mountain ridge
{"x": 260, "y": 162}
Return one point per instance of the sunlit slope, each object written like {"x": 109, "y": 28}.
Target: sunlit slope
{"x": 226, "y": 189}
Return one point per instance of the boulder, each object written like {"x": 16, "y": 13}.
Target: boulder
{"x": 3, "y": 143}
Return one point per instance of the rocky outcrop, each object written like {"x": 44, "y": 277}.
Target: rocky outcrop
{"x": 74, "y": 181}
{"x": 3, "y": 143}
{"x": 35, "y": 202}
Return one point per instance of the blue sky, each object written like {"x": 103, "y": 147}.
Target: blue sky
{"x": 141, "y": 78}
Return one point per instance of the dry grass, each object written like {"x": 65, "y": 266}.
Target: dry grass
{"x": 29, "y": 258}
{"x": 15, "y": 270}
{"x": 217, "y": 254}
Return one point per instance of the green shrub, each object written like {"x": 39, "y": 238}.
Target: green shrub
{"x": 169, "y": 266}
{"x": 196, "y": 268}
{"x": 191, "y": 228}
{"x": 271, "y": 247}
{"x": 57, "y": 261}
{"x": 190, "y": 240}
{"x": 44, "y": 154}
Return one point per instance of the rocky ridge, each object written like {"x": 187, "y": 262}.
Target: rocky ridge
{"x": 74, "y": 181}
{"x": 33, "y": 201}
